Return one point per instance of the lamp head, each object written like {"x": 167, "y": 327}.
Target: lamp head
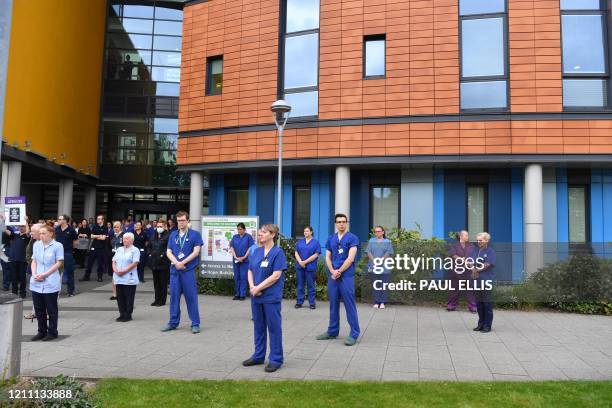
{"x": 280, "y": 108}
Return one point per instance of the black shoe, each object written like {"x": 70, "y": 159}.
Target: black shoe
{"x": 113, "y": 298}
{"x": 298, "y": 306}
{"x": 5, "y": 289}
{"x": 84, "y": 279}
{"x": 99, "y": 279}
{"x": 119, "y": 319}
{"x": 49, "y": 337}
{"x": 250, "y": 362}
{"x": 270, "y": 368}
{"x": 477, "y": 328}
{"x": 242, "y": 298}
{"x": 154, "y": 304}
{"x": 485, "y": 330}
{"x": 71, "y": 294}
{"x": 236, "y": 298}
{"x": 143, "y": 281}
{"x": 38, "y": 336}
{"x": 127, "y": 319}
{"x": 313, "y": 307}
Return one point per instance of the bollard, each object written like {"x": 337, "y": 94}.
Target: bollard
{"x": 11, "y": 308}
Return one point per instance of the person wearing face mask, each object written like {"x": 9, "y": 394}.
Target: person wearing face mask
{"x": 115, "y": 240}
{"x": 140, "y": 242}
{"x": 159, "y": 263}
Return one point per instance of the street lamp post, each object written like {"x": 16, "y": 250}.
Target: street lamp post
{"x": 281, "y": 111}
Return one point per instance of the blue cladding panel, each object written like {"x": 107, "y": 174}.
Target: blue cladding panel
{"x": 287, "y": 204}
{"x": 500, "y": 207}
{"x": 597, "y": 214}
{"x": 562, "y": 206}
{"x": 517, "y": 224}
{"x": 252, "y": 194}
{"x": 217, "y": 195}
{"x": 265, "y": 197}
{"x": 360, "y": 206}
{"x": 454, "y": 202}
{"x": 321, "y": 204}
{"x": 438, "y": 204}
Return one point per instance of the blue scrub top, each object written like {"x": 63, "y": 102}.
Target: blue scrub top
{"x": 379, "y": 249}
{"x": 340, "y": 249}
{"x": 66, "y": 237}
{"x": 306, "y": 250}
{"x": 241, "y": 244}
{"x": 276, "y": 262}
{"x": 488, "y": 256}
{"x": 193, "y": 240}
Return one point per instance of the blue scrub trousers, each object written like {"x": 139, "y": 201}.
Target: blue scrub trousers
{"x": 68, "y": 277}
{"x": 344, "y": 288}
{"x": 6, "y": 275}
{"x": 308, "y": 277}
{"x": 484, "y": 306}
{"x": 267, "y": 319}
{"x": 183, "y": 282}
{"x": 241, "y": 269}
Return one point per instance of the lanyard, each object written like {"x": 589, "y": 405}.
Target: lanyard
{"x": 181, "y": 241}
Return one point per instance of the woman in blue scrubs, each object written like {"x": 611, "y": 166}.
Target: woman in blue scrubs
{"x": 307, "y": 253}
{"x": 239, "y": 248}
{"x": 266, "y": 283}
{"x": 379, "y": 247}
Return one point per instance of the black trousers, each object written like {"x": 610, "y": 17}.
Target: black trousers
{"x": 46, "y": 304}
{"x": 125, "y": 300}
{"x": 160, "y": 283}
{"x": 18, "y": 277}
{"x": 95, "y": 255}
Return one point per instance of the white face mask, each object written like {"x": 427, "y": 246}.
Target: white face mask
{"x": 159, "y": 230}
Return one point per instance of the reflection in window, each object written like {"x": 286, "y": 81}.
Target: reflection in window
{"x": 166, "y": 74}
{"x": 130, "y": 41}
{"x": 476, "y": 209}
{"x": 303, "y": 103}
{"x": 165, "y": 43}
{"x": 302, "y": 15}
{"x": 133, "y": 25}
{"x": 385, "y": 207}
{"x": 165, "y": 13}
{"x": 166, "y": 89}
{"x": 167, "y": 59}
{"x": 577, "y": 207}
{"x": 482, "y": 47}
{"x": 301, "y": 210}
{"x": 470, "y": 7}
{"x": 214, "y": 75}
{"x": 585, "y": 71}
{"x": 162, "y": 125}
{"x": 237, "y": 201}
{"x": 374, "y": 56}
{"x": 483, "y": 95}
{"x": 301, "y": 60}
{"x": 137, "y": 11}
{"x": 168, "y": 27}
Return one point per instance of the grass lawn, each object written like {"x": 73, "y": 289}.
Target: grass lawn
{"x": 311, "y": 394}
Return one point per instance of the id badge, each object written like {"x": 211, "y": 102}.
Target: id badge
{"x": 264, "y": 264}
{"x": 181, "y": 255}
{"x": 235, "y": 261}
{"x": 131, "y": 280}
{"x": 114, "y": 250}
{"x": 340, "y": 250}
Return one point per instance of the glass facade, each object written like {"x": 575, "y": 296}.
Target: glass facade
{"x": 237, "y": 201}
{"x": 301, "y": 210}
{"x": 141, "y": 88}
{"x": 386, "y": 206}
{"x": 577, "y": 209}
{"x": 476, "y": 209}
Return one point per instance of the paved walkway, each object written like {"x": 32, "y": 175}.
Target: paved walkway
{"x": 399, "y": 343}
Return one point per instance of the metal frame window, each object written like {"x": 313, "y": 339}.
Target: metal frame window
{"x": 238, "y": 201}
{"x": 578, "y": 213}
{"x": 301, "y": 210}
{"x": 585, "y": 87}
{"x": 299, "y": 26}
{"x": 382, "y": 189}
{"x": 484, "y": 91}
{"x": 368, "y": 54}
{"x": 214, "y": 75}
{"x": 473, "y": 208}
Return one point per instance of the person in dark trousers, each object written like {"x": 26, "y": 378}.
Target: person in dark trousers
{"x": 159, "y": 263}
{"x": 17, "y": 258}
{"x": 486, "y": 257}
{"x": 45, "y": 283}
{"x": 6, "y": 269}
{"x": 84, "y": 231}
{"x": 115, "y": 241}
{"x": 140, "y": 242}
{"x": 67, "y": 236}
{"x": 99, "y": 237}
{"x": 125, "y": 276}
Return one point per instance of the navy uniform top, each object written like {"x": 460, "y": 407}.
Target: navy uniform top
{"x": 17, "y": 251}
{"x": 184, "y": 245}
{"x": 140, "y": 240}
{"x": 262, "y": 266}
{"x": 98, "y": 230}
{"x": 340, "y": 249}
{"x": 487, "y": 255}
{"x": 306, "y": 250}
{"x": 241, "y": 244}
{"x": 66, "y": 238}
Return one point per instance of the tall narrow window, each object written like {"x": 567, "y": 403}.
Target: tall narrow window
{"x": 214, "y": 75}
{"x": 585, "y": 69}
{"x": 237, "y": 201}
{"x": 301, "y": 210}
{"x": 578, "y": 213}
{"x": 484, "y": 73}
{"x": 476, "y": 209}
{"x": 385, "y": 206}
{"x": 374, "y": 56}
{"x": 300, "y": 51}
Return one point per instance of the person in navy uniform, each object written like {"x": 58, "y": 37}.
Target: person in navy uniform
{"x": 68, "y": 237}
{"x": 17, "y": 258}
{"x": 99, "y": 236}
{"x": 307, "y": 253}
{"x": 183, "y": 251}
{"x": 239, "y": 248}
{"x": 266, "y": 283}
{"x": 140, "y": 241}
{"x": 484, "y": 301}
{"x": 340, "y": 256}
{"x": 159, "y": 263}
{"x": 115, "y": 241}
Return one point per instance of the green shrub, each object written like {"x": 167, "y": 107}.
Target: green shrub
{"x": 80, "y": 397}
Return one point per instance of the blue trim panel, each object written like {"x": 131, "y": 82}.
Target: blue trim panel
{"x": 438, "y": 204}
{"x": 217, "y": 195}
{"x": 252, "y": 194}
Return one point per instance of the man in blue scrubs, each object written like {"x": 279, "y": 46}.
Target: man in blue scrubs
{"x": 340, "y": 256}
{"x": 68, "y": 237}
{"x": 184, "y": 247}
{"x": 266, "y": 282}
{"x": 239, "y": 248}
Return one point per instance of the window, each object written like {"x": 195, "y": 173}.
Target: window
{"x": 476, "y": 209}
{"x": 374, "y": 56}
{"x": 385, "y": 206}
{"x": 214, "y": 75}
{"x": 484, "y": 74}
{"x": 300, "y": 54}
{"x": 301, "y": 210}
{"x": 585, "y": 68}
{"x": 238, "y": 201}
{"x": 578, "y": 213}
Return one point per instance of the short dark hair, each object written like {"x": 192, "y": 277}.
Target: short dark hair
{"x": 101, "y": 215}
{"x": 241, "y": 225}
{"x": 182, "y": 214}
{"x": 310, "y": 228}
{"x": 340, "y": 215}
{"x": 67, "y": 218}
